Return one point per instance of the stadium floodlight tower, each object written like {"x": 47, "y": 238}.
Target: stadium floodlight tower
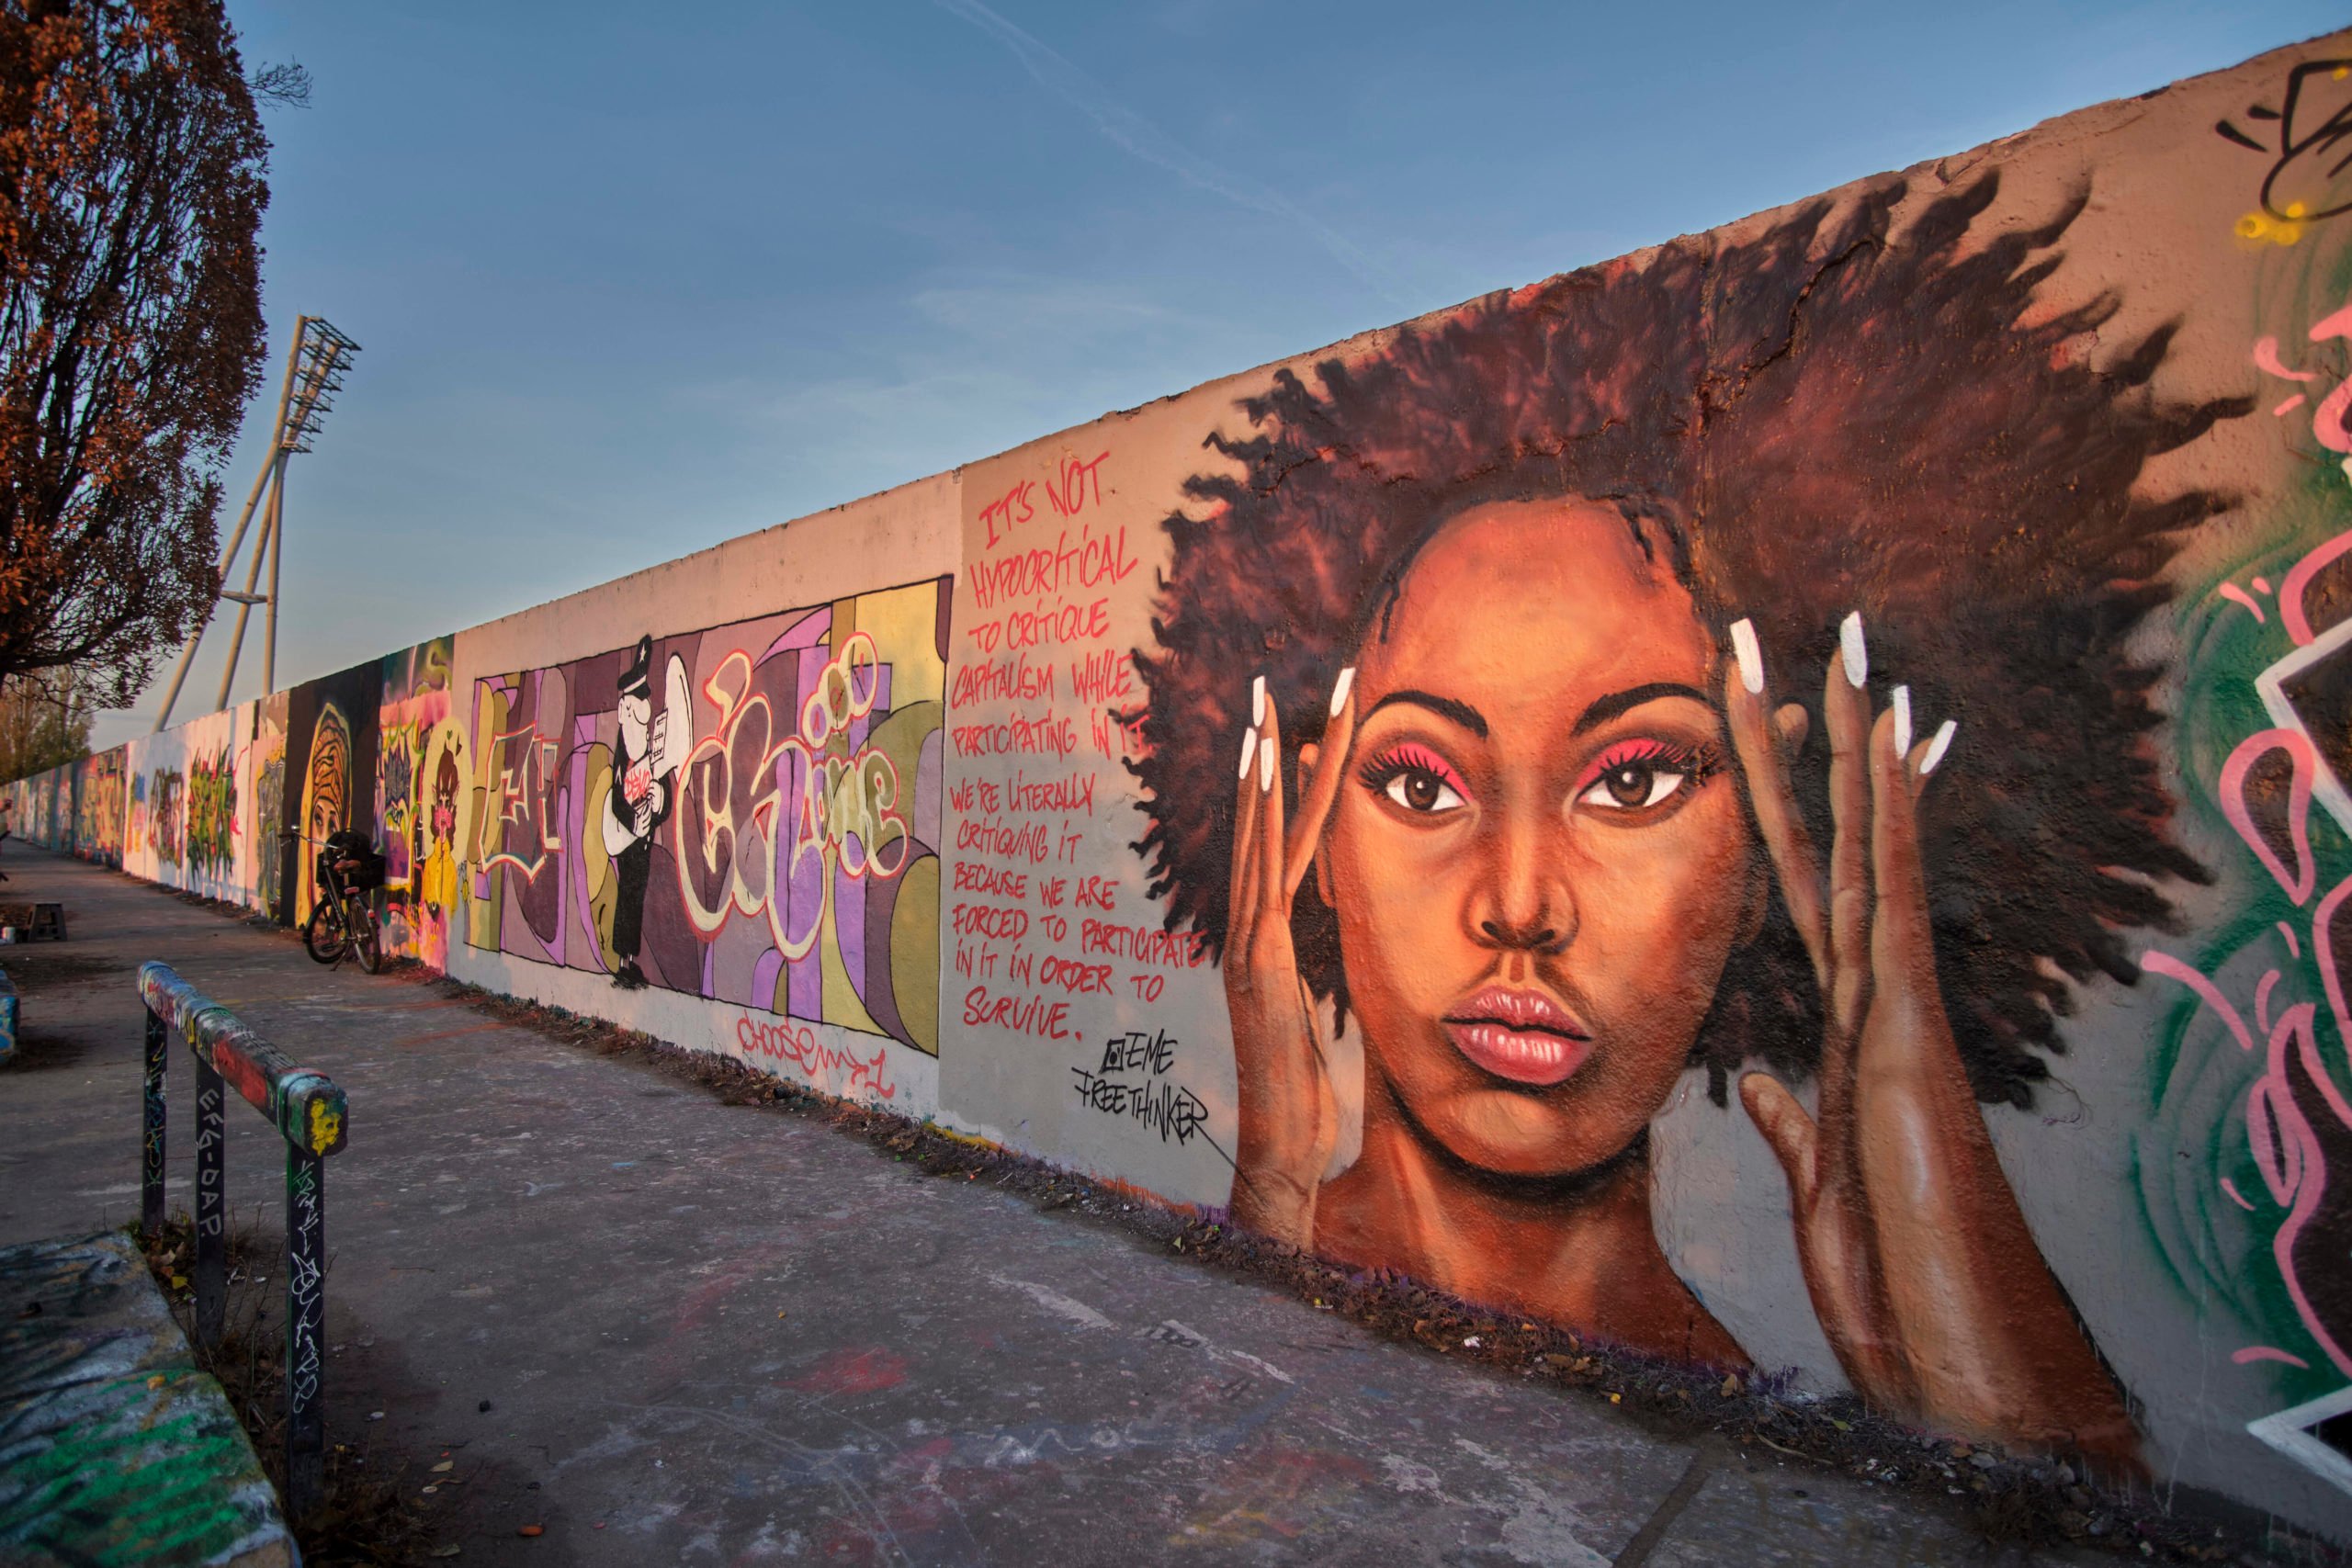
{"x": 315, "y": 365}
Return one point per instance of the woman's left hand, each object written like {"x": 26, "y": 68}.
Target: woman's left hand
{"x": 1921, "y": 1267}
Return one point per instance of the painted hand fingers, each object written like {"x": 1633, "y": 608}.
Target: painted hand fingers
{"x": 1273, "y": 893}
{"x": 1763, "y": 742}
{"x": 1241, "y": 893}
{"x": 1331, "y": 767}
{"x": 1929, "y": 754}
{"x": 1845, "y": 713}
{"x": 1788, "y": 1131}
{"x": 1899, "y": 917}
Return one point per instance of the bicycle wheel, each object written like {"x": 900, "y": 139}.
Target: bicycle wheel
{"x": 323, "y": 934}
{"x": 366, "y": 941}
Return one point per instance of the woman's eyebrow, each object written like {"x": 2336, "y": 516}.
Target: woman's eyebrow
{"x": 1460, "y": 713}
{"x": 1603, "y": 709}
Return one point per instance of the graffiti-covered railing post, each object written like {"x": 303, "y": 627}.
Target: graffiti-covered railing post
{"x": 308, "y": 1111}
{"x": 151, "y": 1131}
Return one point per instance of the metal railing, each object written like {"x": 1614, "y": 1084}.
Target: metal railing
{"x": 309, "y": 1111}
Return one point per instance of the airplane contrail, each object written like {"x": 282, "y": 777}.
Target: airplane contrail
{"x": 1138, "y": 136}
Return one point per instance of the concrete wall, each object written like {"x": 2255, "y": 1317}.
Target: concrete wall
{"x": 1796, "y": 816}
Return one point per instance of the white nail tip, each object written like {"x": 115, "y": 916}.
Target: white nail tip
{"x": 1347, "y": 683}
{"x": 1265, "y": 766}
{"x": 1849, "y": 646}
{"x": 1258, "y": 699}
{"x": 1248, "y": 749}
{"x": 1752, "y": 657}
{"x": 1938, "y": 746}
{"x": 1902, "y": 722}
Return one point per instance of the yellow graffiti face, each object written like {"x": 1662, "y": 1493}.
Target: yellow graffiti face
{"x": 326, "y": 1126}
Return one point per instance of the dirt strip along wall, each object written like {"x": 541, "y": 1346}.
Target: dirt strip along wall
{"x": 1784, "y": 800}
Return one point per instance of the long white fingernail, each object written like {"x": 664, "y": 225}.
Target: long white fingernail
{"x": 1340, "y": 693}
{"x": 1258, "y": 699}
{"x": 1938, "y": 746}
{"x": 1248, "y": 749}
{"x": 1902, "y": 722}
{"x": 1849, "y": 646}
{"x": 1265, "y": 766}
{"x": 1752, "y": 657}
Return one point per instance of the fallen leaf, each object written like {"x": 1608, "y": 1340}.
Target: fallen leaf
{"x": 1731, "y": 1385}
{"x": 448, "y": 1550}
{"x": 155, "y": 1382}
{"x": 532, "y": 1530}
{"x": 445, "y": 1465}
{"x": 1839, "y": 1425}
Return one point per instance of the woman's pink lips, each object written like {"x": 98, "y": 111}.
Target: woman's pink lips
{"x": 1525, "y": 1036}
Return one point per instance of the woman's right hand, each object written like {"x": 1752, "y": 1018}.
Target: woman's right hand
{"x": 1289, "y": 1121}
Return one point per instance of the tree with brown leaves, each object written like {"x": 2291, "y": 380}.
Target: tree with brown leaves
{"x": 132, "y": 192}
{"x": 44, "y": 720}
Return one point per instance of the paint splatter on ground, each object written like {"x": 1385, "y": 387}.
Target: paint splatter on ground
{"x": 113, "y": 1450}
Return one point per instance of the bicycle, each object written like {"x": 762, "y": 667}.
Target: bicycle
{"x": 343, "y": 922}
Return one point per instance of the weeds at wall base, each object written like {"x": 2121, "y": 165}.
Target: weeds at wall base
{"x": 368, "y": 1519}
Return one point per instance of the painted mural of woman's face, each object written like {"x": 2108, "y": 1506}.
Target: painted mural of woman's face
{"x": 1541, "y": 860}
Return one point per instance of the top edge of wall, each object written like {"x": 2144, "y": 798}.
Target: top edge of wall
{"x": 775, "y": 530}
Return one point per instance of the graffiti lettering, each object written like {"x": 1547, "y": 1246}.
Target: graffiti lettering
{"x": 797, "y": 1045}
{"x": 1090, "y": 560}
{"x": 524, "y": 763}
{"x": 1043, "y": 733}
{"x": 2298, "y": 187}
{"x": 1004, "y": 680}
{"x": 212, "y": 813}
{"x": 1029, "y": 841}
{"x": 1131, "y": 1081}
{"x": 844, "y": 811}
{"x": 167, "y": 815}
{"x": 1143, "y": 944}
{"x": 1016, "y": 1015}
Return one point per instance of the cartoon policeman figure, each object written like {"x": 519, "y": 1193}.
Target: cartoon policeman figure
{"x": 643, "y": 791}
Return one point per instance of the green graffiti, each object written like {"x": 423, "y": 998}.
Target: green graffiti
{"x": 140, "y": 1469}
{"x": 2206, "y": 1209}
{"x": 212, "y": 813}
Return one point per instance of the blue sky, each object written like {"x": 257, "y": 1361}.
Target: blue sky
{"x": 634, "y": 279}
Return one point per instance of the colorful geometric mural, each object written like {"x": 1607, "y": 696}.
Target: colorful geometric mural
{"x": 748, "y": 814}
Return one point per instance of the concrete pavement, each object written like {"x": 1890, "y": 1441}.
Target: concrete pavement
{"x": 711, "y": 1333}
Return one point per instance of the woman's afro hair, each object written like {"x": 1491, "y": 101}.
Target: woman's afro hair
{"x": 1831, "y": 416}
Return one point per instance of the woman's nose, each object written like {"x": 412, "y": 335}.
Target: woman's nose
{"x": 1523, "y": 902}
{"x": 1539, "y": 939}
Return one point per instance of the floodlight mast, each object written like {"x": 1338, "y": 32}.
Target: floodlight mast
{"x": 315, "y": 365}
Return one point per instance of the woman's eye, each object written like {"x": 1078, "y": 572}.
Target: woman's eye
{"x": 1419, "y": 790}
{"x": 1629, "y": 786}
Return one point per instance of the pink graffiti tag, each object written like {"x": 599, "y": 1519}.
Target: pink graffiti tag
{"x": 797, "y": 1045}
{"x": 2304, "y": 761}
